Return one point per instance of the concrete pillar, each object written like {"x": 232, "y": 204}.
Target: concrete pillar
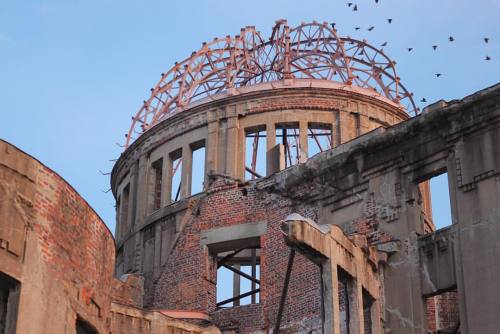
{"x": 270, "y": 136}
{"x": 133, "y": 195}
{"x": 327, "y": 287}
{"x": 347, "y": 126}
{"x": 157, "y": 252}
{"x": 167, "y": 180}
{"x": 303, "y": 143}
{"x": 211, "y": 148}
{"x": 236, "y": 284}
{"x": 357, "y": 316}
{"x": 336, "y": 129}
{"x": 376, "y": 317}
{"x": 141, "y": 186}
{"x": 231, "y": 146}
{"x": 187, "y": 166}
{"x": 221, "y": 143}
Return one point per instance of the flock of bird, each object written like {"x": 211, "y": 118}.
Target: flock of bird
{"x": 451, "y": 39}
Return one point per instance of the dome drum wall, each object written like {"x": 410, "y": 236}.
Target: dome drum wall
{"x": 221, "y": 125}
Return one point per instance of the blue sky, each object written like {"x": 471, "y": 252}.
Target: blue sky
{"x": 72, "y": 73}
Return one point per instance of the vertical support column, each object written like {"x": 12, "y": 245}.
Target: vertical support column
{"x": 187, "y": 166}
{"x": 167, "y": 180}
{"x": 157, "y": 252}
{"x": 303, "y": 143}
{"x": 140, "y": 201}
{"x": 270, "y": 136}
{"x": 376, "y": 317}
{"x": 236, "y": 284}
{"x": 232, "y": 147}
{"x": 336, "y": 129}
{"x": 240, "y": 154}
{"x": 347, "y": 126}
{"x": 211, "y": 148}
{"x": 357, "y": 315}
{"x": 254, "y": 274}
{"x": 132, "y": 203}
{"x": 331, "y": 304}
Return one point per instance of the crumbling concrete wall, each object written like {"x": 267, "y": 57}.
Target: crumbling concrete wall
{"x": 382, "y": 170}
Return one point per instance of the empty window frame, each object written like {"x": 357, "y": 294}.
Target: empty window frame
{"x": 319, "y": 138}
{"x": 125, "y": 198}
{"x": 255, "y": 152}
{"x": 238, "y": 274}
{"x": 435, "y": 202}
{"x": 117, "y": 215}
{"x": 156, "y": 174}
{"x": 176, "y": 175}
{"x": 288, "y": 134}
{"x": 367, "y": 312}
{"x": 344, "y": 305}
{"x": 9, "y": 301}
{"x": 198, "y": 167}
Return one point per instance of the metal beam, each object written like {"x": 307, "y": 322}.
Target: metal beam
{"x": 285, "y": 290}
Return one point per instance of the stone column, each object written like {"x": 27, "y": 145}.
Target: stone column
{"x": 303, "y": 143}
{"x": 167, "y": 180}
{"x": 187, "y": 166}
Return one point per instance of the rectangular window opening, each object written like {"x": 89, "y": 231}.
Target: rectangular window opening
{"x": 435, "y": 202}
{"x": 124, "y": 209}
{"x": 156, "y": 182}
{"x": 255, "y": 153}
{"x": 198, "y": 167}
{"x": 344, "y": 307}
{"x": 117, "y": 217}
{"x": 175, "y": 191}
{"x": 288, "y": 134}
{"x": 367, "y": 311}
{"x": 238, "y": 273}
{"x": 9, "y": 301}
{"x": 319, "y": 138}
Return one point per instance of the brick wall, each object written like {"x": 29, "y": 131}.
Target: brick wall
{"x": 188, "y": 279}
{"x": 76, "y": 245}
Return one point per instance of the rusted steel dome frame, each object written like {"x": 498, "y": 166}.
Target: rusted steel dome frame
{"x": 310, "y": 50}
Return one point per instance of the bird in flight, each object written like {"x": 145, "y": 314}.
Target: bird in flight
{"x": 438, "y": 75}
{"x": 409, "y": 49}
{"x": 355, "y": 8}
{"x": 423, "y": 100}
{"x": 371, "y": 28}
{"x": 384, "y": 44}
{"x": 487, "y": 58}
{"x": 434, "y": 47}
{"x": 349, "y": 4}
{"x": 376, "y": 1}
{"x": 486, "y": 40}
{"x": 357, "y": 28}
{"x": 389, "y": 20}
{"x": 451, "y": 39}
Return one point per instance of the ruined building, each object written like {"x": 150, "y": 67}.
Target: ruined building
{"x": 268, "y": 185}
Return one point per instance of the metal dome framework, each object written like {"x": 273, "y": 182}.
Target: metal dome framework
{"x": 308, "y": 51}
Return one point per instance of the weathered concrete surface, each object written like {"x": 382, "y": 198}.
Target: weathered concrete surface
{"x": 336, "y": 252}
{"x": 377, "y": 176}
